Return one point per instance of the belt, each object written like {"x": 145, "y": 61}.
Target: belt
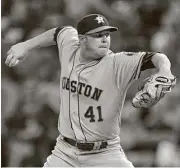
{"x": 86, "y": 146}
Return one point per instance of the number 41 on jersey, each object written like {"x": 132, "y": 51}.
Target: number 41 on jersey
{"x": 90, "y": 114}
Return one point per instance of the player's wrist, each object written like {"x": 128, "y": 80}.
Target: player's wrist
{"x": 27, "y": 45}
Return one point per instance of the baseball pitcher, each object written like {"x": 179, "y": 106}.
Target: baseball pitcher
{"x": 93, "y": 86}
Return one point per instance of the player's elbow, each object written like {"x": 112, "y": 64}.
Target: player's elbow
{"x": 161, "y": 56}
{"x": 161, "y": 60}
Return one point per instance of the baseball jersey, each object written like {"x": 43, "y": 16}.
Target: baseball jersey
{"x": 92, "y": 94}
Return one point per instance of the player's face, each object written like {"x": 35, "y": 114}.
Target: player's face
{"x": 98, "y": 43}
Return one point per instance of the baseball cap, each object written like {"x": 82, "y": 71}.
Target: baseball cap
{"x": 93, "y": 23}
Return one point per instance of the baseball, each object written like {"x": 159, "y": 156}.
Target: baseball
{"x": 17, "y": 61}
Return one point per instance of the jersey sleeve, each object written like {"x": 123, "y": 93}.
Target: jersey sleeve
{"x": 127, "y": 68}
{"x": 67, "y": 40}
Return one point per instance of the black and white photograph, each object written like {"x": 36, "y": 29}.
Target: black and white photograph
{"x": 90, "y": 83}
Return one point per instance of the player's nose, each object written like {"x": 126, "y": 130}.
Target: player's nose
{"x": 104, "y": 38}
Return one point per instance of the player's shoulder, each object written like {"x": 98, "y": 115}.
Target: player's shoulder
{"x": 66, "y": 33}
{"x": 68, "y": 30}
{"x": 130, "y": 54}
{"x": 125, "y": 56}
{"x": 71, "y": 29}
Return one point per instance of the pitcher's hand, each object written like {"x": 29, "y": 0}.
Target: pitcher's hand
{"x": 16, "y": 53}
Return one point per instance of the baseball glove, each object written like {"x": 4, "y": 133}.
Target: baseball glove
{"x": 154, "y": 89}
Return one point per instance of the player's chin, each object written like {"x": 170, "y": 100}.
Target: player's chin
{"x": 103, "y": 52}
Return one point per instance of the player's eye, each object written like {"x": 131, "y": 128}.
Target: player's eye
{"x": 99, "y": 35}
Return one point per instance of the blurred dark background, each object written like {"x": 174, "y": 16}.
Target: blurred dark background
{"x": 30, "y": 91}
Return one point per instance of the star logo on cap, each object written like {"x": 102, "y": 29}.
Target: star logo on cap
{"x": 99, "y": 19}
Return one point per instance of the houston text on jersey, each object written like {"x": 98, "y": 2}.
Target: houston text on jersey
{"x": 81, "y": 88}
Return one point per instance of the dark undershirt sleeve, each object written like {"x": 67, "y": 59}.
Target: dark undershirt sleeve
{"x": 57, "y": 32}
{"x": 146, "y": 62}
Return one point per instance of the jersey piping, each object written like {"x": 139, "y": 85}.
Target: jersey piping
{"x": 74, "y": 54}
{"x": 79, "y": 100}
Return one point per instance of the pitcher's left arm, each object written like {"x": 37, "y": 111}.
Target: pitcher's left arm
{"x": 158, "y": 84}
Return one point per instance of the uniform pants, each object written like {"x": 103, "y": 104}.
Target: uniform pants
{"x": 66, "y": 155}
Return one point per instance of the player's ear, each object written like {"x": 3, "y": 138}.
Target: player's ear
{"x": 81, "y": 38}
